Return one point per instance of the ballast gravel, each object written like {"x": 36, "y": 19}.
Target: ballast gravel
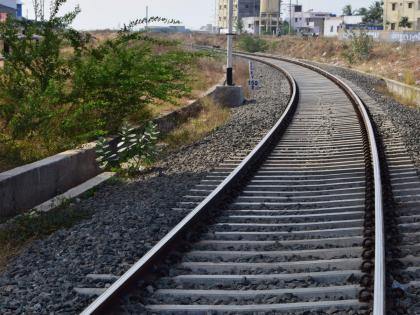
{"x": 405, "y": 119}
{"x": 130, "y": 217}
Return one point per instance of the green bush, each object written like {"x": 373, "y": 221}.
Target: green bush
{"x": 360, "y": 47}
{"x": 59, "y": 88}
{"x": 252, "y": 44}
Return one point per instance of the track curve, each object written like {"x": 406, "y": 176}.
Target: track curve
{"x": 298, "y": 236}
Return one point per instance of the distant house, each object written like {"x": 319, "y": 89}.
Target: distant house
{"x": 334, "y": 25}
{"x": 311, "y": 21}
{"x": 10, "y": 7}
{"x": 396, "y": 11}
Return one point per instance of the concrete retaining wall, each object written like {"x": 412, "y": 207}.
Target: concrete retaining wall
{"x": 25, "y": 187}
{"x": 408, "y": 92}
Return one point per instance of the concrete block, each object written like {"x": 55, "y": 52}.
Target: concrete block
{"x": 229, "y": 96}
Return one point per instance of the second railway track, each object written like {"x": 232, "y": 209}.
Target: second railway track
{"x": 297, "y": 235}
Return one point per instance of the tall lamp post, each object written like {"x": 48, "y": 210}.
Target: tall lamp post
{"x": 229, "y": 70}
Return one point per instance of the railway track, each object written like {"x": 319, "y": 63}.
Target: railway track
{"x": 298, "y": 222}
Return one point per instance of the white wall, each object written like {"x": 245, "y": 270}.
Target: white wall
{"x": 331, "y": 27}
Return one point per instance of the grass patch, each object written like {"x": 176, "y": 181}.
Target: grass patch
{"x": 211, "y": 117}
{"x": 20, "y": 231}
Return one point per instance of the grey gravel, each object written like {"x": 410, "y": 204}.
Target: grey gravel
{"x": 130, "y": 217}
{"x": 405, "y": 119}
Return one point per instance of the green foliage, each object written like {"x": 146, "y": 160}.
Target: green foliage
{"x": 360, "y": 48}
{"x": 239, "y": 26}
{"x": 374, "y": 15}
{"x": 252, "y": 44}
{"x": 404, "y": 22}
{"x": 347, "y": 10}
{"x": 59, "y": 88}
{"x": 134, "y": 150}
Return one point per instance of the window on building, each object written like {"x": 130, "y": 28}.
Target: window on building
{"x": 418, "y": 5}
{"x": 410, "y": 5}
{"x": 249, "y": 25}
{"x": 332, "y": 29}
{"x": 393, "y": 26}
{"x": 296, "y": 19}
{"x": 394, "y": 6}
{"x": 418, "y": 24}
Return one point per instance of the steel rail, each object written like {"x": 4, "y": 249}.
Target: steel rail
{"x": 154, "y": 256}
{"x": 379, "y": 292}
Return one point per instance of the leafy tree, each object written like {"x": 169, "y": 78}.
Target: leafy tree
{"x": 239, "y": 26}
{"x": 58, "y": 88}
{"x": 375, "y": 13}
{"x": 362, "y": 11}
{"x": 404, "y": 22}
{"x": 347, "y": 10}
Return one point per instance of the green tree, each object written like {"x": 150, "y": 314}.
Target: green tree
{"x": 239, "y": 26}
{"x": 347, "y": 10}
{"x": 58, "y": 88}
{"x": 362, "y": 11}
{"x": 375, "y": 13}
{"x": 404, "y": 22}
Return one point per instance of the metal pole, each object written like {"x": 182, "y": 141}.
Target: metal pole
{"x": 147, "y": 17}
{"x": 290, "y": 16}
{"x": 278, "y": 19}
{"x": 229, "y": 70}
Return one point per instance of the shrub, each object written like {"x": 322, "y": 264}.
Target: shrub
{"x": 360, "y": 47}
{"x": 134, "y": 150}
{"x": 252, "y": 44}
{"x": 58, "y": 88}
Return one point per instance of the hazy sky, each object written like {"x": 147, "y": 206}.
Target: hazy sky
{"x": 99, "y": 14}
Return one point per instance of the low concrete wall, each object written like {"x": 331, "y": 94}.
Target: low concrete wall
{"x": 408, "y": 92}
{"x": 388, "y": 36}
{"x": 25, "y": 187}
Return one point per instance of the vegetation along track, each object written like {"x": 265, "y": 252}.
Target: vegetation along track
{"x": 293, "y": 225}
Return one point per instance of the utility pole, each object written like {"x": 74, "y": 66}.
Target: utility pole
{"x": 229, "y": 70}
{"x": 147, "y": 18}
{"x": 278, "y": 19}
{"x": 290, "y": 17}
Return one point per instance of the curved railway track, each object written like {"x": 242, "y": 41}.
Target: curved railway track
{"x": 295, "y": 222}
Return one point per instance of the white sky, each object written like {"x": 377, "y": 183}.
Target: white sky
{"x": 100, "y": 14}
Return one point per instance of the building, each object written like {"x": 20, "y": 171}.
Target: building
{"x": 309, "y": 21}
{"x": 270, "y": 16}
{"x": 396, "y": 11}
{"x": 333, "y": 25}
{"x": 241, "y": 9}
{"x": 10, "y": 8}
{"x": 209, "y": 28}
{"x": 251, "y": 25}
{"x": 168, "y": 29}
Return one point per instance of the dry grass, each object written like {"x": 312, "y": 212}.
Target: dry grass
{"x": 211, "y": 117}
{"x": 400, "y": 62}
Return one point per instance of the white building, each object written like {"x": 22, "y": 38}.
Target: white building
{"x": 251, "y": 25}
{"x": 309, "y": 21}
{"x": 333, "y": 25}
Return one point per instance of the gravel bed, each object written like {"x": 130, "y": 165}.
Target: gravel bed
{"x": 130, "y": 217}
{"x": 405, "y": 119}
